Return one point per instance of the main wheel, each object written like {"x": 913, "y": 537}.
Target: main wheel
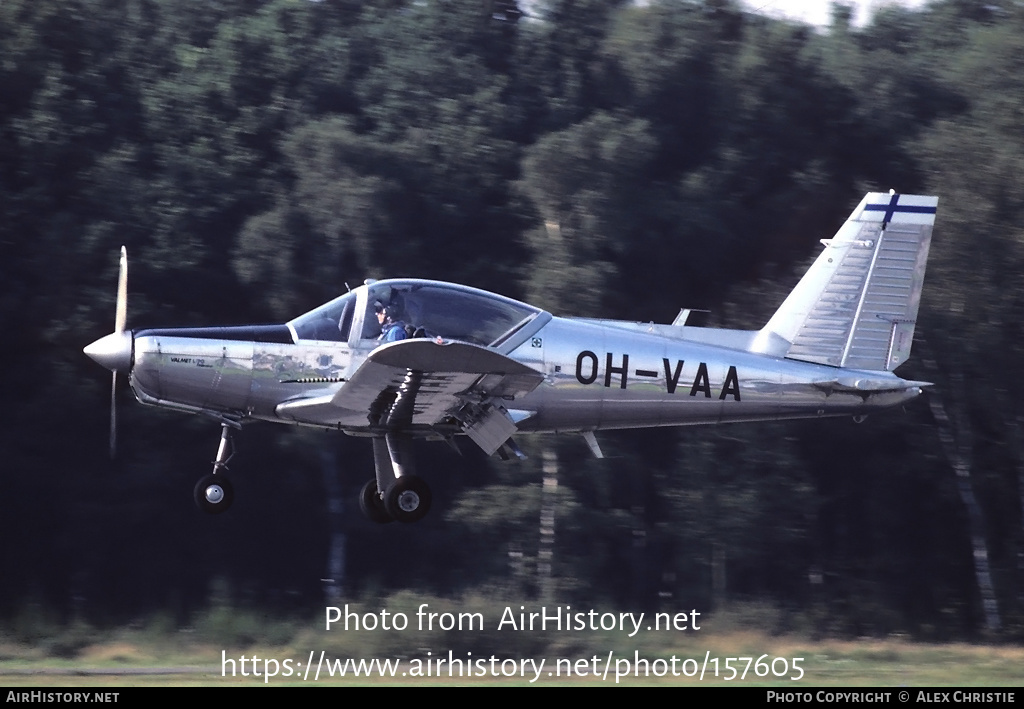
{"x": 214, "y": 494}
{"x": 371, "y": 504}
{"x": 408, "y": 499}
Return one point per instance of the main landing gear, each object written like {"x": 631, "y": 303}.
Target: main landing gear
{"x": 214, "y": 493}
{"x": 406, "y": 496}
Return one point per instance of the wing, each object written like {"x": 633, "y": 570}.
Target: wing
{"x": 422, "y": 384}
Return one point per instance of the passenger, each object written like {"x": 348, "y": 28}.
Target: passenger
{"x": 391, "y": 328}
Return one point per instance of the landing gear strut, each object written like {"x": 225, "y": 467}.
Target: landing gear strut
{"x": 214, "y": 492}
{"x": 406, "y": 496}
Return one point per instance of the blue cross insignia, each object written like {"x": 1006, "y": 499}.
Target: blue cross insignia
{"x": 894, "y": 206}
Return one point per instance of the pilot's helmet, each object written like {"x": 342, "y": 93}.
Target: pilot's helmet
{"x": 390, "y": 311}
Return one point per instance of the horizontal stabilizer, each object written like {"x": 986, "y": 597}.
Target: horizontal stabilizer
{"x": 868, "y": 384}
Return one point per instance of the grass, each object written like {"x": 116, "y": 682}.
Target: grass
{"x": 158, "y": 653}
{"x": 872, "y": 663}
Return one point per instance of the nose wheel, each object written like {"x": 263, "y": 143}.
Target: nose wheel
{"x": 213, "y": 493}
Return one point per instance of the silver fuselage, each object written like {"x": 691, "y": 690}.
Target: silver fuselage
{"x": 596, "y": 375}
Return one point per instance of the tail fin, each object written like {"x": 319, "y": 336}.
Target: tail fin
{"x": 856, "y": 307}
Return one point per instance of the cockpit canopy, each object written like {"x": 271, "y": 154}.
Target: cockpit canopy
{"x": 426, "y": 308}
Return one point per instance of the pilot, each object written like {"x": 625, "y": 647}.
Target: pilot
{"x": 391, "y": 328}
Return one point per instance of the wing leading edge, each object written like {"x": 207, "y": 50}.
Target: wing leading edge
{"x": 422, "y": 383}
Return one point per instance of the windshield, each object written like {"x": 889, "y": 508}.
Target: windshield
{"x": 330, "y": 322}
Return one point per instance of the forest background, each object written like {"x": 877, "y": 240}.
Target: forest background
{"x": 595, "y": 158}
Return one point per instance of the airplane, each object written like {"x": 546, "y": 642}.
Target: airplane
{"x": 466, "y": 362}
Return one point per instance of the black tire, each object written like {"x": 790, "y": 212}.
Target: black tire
{"x": 408, "y": 499}
{"x": 371, "y": 504}
{"x": 214, "y": 494}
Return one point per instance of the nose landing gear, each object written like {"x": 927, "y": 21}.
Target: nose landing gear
{"x": 214, "y": 493}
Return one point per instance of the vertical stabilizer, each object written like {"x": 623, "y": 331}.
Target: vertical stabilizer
{"x": 857, "y": 305}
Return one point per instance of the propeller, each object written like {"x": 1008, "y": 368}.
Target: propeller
{"x": 120, "y": 317}
{"x": 114, "y": 351}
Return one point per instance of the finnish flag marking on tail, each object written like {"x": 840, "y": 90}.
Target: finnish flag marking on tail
{"x": 907, "y": 208}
